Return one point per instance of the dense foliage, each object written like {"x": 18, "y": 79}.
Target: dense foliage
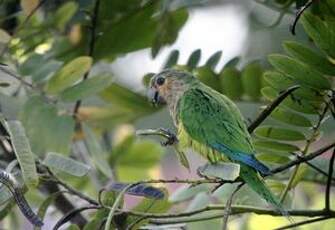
{"x": 67, "y": 129}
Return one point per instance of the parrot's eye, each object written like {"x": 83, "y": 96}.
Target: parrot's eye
{"x": 160, "y": 81}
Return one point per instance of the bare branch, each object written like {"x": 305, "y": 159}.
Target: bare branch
{"x": 91, "y": 46}
{"x": 329, "y": 181}
{"x": 298, "y": 15}
{"x": 303, "y": 159}
{"x": 228, "y": 207}
{"x": 304, "y": 222}
{"x": 270, "y": 107}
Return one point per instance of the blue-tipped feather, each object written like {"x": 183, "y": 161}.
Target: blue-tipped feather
{"x": 245, "y": 158}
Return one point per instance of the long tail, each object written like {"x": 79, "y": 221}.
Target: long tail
{"x": 251, "y": 177}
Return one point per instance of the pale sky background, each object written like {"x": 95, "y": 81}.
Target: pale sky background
{"x": 208, "y": 28}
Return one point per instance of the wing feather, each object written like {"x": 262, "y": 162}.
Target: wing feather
{"x": 212, "y": 119}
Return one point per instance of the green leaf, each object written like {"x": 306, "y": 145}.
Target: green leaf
{"x": 251, "y": 80}
{"x": 5, "y": 210}
{"x": 225, "y": 171}
{"x": 153, "y": 206}
{"x": 194, "y": 59}
{"x": 23, "y": 152}
{"x": 302, "y": 106}
{"x": 68, "y": 165}
{"x": 291, "y": 118}
{"x": 123, "y": 97}
{"x": 69, "y": 74}
{"x": 281, "y": 82}
{"x": 147, "y": 154}
{"x": 232, "y": 62}
{"x": 322, "y": 34}
{"x": 168, "y": 27}
{"x": 277, "y": 80}
{"x": 201, "y": 200}
{"x": 182, "y": 158}
{"x": 299, "y": 175}
{"x": 64, "y": 14}
{"x": 279, "y": 133}
{"x": 46, "y": 129}
{"x": 207, "y": 76}
{"x": 49, "y": 67}
{"x": 5, "y": 194}
{"x": 186, "y": 192}
{"x": 97, "y": 154}
{"x": 214, "y": 60}
{"x": 275, "y": 146}
{"x": 231, "y": 84}
{"x": 44, "y": 206}
{"x": 149, "y": 206}
{"x": 172, "y": 59}
{"x": 109, "y": 198}
{"x": 310, "y": 57}
{"x": 273, "y": 158}
{"x": 86, "y": 88}
{"x": 140, "y": 24}
{"x": 299, "y": 72}
{"x": 4, "y": 36}
{"x": 147, "y": 78}
{"x": 73, "y": 227}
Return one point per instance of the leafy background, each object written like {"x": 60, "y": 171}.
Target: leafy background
{"x": 84, "y": 130}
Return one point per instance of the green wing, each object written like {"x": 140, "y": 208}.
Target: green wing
{"x": 208, "y": 116}
{"x": 212, "y": 119}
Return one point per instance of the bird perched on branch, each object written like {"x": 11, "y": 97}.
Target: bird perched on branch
{"x": 212, "y": 125}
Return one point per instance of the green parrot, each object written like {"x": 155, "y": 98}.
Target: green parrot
{"x": 212, "y": 125}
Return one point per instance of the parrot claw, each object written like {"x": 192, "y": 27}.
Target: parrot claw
{"x": 170, "y": 136}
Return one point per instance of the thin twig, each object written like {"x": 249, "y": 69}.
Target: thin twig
{"x": 117, "y": 202}
{"x": 301, "y": 160}
{"x": 5, "y": 69}
{"x": 304, "y": 222}
{"x": 269, "y": 108}
{"x": 68, "y": 216}
{"x": 236, "y": 209}
{"x": 298, "y": 15}
{"x": 71, "y": 189}
{"x": 90, "y": 47}
{"x": 329, "y": 181}
{"x": 309, "y": 141}
{"x": 226, "y": 212}
{"x": 316, "y": 168}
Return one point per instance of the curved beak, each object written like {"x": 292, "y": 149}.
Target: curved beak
{"x": 154, "y": 97}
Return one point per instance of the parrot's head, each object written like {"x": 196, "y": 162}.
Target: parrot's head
{"x": 168, "y": 85}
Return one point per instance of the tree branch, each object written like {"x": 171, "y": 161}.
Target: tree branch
{"x": 228, "y": 207}
{"x": 304, "y": 222}
{"x": 270, "y": 107}
{"x": 237, "y": 209}
{"x": 303, "y": 159}
{"x": 298, "y": 15}
{"x": 329, "y": 181}
{"x": 90, "y": 47}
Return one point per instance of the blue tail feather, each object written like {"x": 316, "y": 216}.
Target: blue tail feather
{"x": 242, "y": 157}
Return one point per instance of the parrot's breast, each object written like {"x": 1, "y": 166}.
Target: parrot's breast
{"x": 186, "y": 142}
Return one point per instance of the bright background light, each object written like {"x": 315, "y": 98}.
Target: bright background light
{"x": 210, "y": 29}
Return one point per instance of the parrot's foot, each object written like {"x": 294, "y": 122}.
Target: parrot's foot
{"x": 170, "y": 136}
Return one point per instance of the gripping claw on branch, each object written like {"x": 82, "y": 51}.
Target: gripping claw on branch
{"x": 170, "y": 136}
